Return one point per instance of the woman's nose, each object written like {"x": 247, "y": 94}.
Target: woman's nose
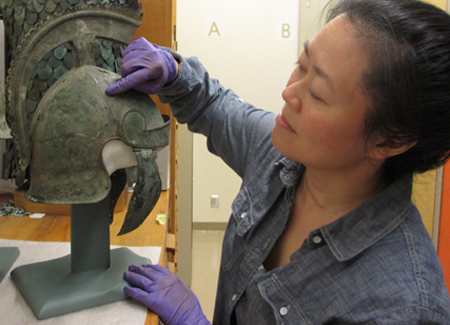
{"x": 292, "y": 95}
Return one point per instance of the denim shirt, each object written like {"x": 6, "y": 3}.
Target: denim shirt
{"x": 374, "y": 265}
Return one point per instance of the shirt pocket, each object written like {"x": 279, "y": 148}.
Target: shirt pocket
{"x": 243, "y": 212}
{"x": 286, "y": 304}
{"x": 240, "y": 223}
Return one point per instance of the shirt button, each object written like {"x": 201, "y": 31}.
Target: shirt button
{"x": 283, "y": 311}
{"x": 234, "y": 297}
{"x": 317, "y": 239}
{"x": 243, "y": 215}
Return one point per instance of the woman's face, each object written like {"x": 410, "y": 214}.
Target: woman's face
{"x": 322, "y": 122}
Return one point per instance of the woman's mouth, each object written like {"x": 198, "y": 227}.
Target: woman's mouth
{"x": 281, "y": 122}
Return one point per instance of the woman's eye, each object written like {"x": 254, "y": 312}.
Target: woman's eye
{"x": 302, "y": 69}
{"x": 314, "y": 96}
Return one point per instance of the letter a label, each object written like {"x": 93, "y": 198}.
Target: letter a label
{"x": 214, "y": 27}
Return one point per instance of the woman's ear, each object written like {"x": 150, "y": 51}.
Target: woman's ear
{"x": 389, "y": 148}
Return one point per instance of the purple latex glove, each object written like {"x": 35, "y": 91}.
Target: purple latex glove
{"x": 146, "y": 67}
{"x": 165, "y": 294}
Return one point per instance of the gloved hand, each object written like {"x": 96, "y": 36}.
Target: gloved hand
{"x": 146, "y": 67}
{"x": 165, "y": 294}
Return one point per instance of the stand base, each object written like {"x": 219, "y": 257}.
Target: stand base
{"x": 8, "y": 256}
{"x": 51, "y": 289}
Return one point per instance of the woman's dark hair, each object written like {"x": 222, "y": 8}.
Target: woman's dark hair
{"x": 408, "y": 43}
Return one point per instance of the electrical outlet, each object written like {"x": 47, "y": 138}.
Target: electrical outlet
{"x": 214, "y": 201}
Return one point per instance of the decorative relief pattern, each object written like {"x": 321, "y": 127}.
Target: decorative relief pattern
{"x": 22, "y": 19}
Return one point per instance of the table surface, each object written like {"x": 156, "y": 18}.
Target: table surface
{"x": 57, "y": 228}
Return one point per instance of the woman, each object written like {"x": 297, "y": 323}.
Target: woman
{"x": 323, "y": 229}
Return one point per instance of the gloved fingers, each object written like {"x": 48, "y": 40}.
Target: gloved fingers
{"x": 158, "y": 268}
{"x": 140, "y": 295}
{"x": 138, "y": 280}
{"x": 156, "y": 271}
{"x": 140, "y": 58}
{"x": 152, "y": 272}
{"x": 138, "y": 44}
{"x": 149, "y": 68}
{"x": 129, "y": 82}
{"x": 145, "y": 51}
{"x": 149, "y": 88}
{"x": 119, "y": 86}
{"x": 130, "y": 66}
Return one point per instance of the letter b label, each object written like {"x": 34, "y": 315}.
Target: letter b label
{"x": 286, "y": 30}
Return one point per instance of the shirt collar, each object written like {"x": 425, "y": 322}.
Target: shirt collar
{"x": 290, "y": 171}
{"x": 362, "y": 227}
{"x": 367, "y": 224}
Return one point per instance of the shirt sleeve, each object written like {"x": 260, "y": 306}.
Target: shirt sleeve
{"x": 234, "y": 128}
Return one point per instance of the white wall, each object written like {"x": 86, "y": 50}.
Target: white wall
{"x": 251, "y": 47}
{"x": 310, "y": 21}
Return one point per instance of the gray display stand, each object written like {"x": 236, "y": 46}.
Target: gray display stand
{"x": 8, "y": 256}
{"x": 92, "y": 275}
